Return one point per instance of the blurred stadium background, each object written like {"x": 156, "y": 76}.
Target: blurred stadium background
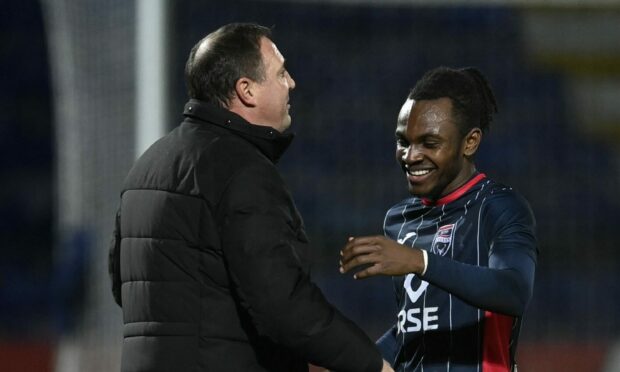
{"x": 86, "y": 85}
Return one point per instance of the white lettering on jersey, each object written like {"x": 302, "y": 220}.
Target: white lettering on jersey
{"x": 411, "y": 321}
{"x": 414, "y": 295}
{"x": 416, "y": 319}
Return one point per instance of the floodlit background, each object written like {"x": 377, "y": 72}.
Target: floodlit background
{"x": 87, "y": 85}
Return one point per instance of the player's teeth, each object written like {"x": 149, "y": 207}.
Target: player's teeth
{"x": 419, "y": 172}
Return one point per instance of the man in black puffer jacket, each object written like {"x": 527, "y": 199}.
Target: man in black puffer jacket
{"x": 208, "y": 259}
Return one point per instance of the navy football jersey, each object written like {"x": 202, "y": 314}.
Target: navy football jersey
{"x": 464, "y": 313}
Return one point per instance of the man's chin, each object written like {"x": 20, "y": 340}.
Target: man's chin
{"x": 286, "y": 124}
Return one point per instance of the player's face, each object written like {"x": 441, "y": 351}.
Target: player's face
{"x": 273, "y": 92}
{"x": 430, "y": 148}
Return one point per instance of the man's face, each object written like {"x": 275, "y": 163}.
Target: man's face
{"x": 429, "y": 148}
{"x": 273, "y": 91}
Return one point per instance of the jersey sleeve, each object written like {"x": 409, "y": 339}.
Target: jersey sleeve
{"x": 506, "y": 285}
{"x": 259, "y": 237}
{"x": 388, "y": 346}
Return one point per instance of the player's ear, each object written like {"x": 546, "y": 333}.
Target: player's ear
{"x": 245, "y": 90}
{"x": 472, "y": 142}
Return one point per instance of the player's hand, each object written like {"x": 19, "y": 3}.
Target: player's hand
{"x": 383, "y": 256}
{"x": 386, "y": 367}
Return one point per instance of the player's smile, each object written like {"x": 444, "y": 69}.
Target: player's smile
{"x": 417, "y": 174}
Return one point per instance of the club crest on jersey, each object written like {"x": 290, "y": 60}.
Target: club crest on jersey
{"x": 443, "y": 240}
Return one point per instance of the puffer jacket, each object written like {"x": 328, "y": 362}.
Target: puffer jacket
{"x": 209, "y": 259}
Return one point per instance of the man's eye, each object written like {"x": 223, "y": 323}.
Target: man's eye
{"x": 431, "y": 145}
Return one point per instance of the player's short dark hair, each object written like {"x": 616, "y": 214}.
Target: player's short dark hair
{"x": 232, "y": 52}
{"x": 473, "y": 102}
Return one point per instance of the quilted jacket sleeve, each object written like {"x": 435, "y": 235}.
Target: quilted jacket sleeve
{"x": 262, "y": 241}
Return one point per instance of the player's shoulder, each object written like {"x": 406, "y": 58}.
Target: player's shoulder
{"x": 405, "y": 205}
{"x": 502, "y": 200}
{"x": 502, "y": 193}
{"x": 406, "y": 210}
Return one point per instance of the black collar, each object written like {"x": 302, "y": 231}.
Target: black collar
{"x": 268, "y": 140}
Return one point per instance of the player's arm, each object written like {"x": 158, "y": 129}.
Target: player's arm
{"x": 504, "y": 286}
{"x": 388, "y": 347}
{"x": 259, "y": 235}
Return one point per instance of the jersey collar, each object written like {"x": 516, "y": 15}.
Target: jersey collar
{"x": 456, "y": 193}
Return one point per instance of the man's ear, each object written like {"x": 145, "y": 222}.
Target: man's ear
{"x": 472, "y": 142}
{"x": 244, "y": 88}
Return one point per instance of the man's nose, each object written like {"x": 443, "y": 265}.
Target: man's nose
{"x": 291, "y": 82}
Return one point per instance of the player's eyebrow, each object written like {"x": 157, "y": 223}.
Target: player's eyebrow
{"x": 428, "y": 137}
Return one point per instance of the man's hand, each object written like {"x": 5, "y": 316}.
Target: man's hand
{"x": 386, "y": 367}
{"x": 384, "y": 257}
